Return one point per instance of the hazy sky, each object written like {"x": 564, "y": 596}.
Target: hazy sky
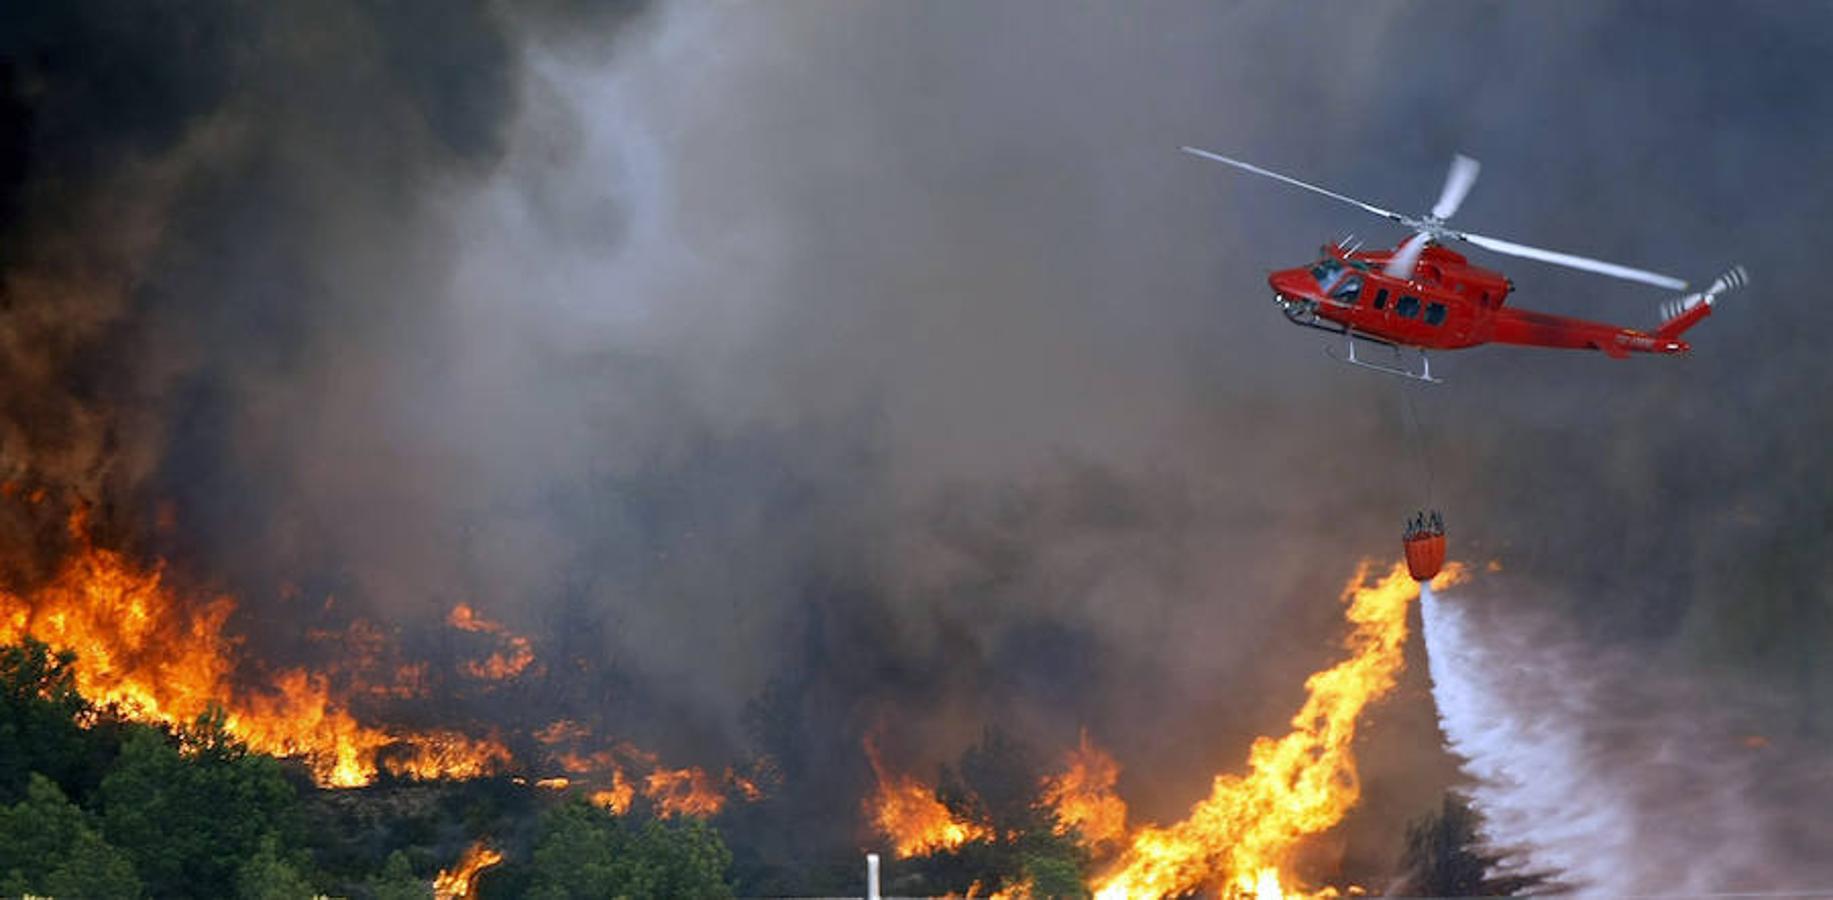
{"x": 893, "y": 351}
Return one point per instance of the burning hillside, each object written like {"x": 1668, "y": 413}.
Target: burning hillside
{"x": 158, "y": 656}
{"x": 155, "y": 654}
{"x": 161, "y": 658}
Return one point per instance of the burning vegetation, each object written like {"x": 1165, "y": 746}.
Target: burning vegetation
{"x": 460, "y": 881}
{"x": 151, "y": 654}
{"x": 159, "y": 658}
{"x": 1296, "y": 785}
{"x": 1082, "y": 796}
{"x": 147, "y": 653}
{"x": 912, "y": 816}
{"x": 1239, "y": 839}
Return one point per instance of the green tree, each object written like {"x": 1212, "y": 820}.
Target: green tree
{"x": 192, "y": 820}
{"x": 48, "y": 847}
{"x": 39, "y": 711}
{"x": 584, "y": 851}
{"x": 1444, "y": 857}
{"x": 269, "y": 875}
{"x": 1057, "y": 876}
{"x": 397, "y": 881}
{"x": 995, "y": 783}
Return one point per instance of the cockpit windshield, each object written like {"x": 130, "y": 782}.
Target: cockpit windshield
{"x": 1327, "y": 272}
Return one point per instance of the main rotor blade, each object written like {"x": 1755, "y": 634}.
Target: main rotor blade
{"x": 1401, "y": 264}
{"x": 1576, "y": 262}
{"x": 1463, "y": 174}
{"x": 1249, "y": 167}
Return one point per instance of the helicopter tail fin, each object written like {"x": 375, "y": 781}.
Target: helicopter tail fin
{"x": 1684, "y": 312}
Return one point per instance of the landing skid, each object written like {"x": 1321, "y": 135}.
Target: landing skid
{"x": 1397, "y": 369}
{"x": 1305, "y": 313}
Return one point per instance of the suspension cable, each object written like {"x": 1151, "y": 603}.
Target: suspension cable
{"x": 1417, "y": 438}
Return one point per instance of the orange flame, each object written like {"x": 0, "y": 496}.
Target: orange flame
{"x": 747, "y": 787}
{"x": 1296, "y": 785}
{"x": 1020, "y": 891}
{"x": 580, "y": 764}
{"x": 504, "y": 665}
{"x": 1083, "y": 797}
{"x": 617, "y": 797}
{"x": 1023, "y": 890}
{"x": 158, "y": 658}
{"x": 464, "y": 618}
{"x": 683, "y": 792}
{"x": 460, "y": 882}
{"x": 501, "y": 665}
{"x": 449, "y": 754}
{"x": 672, "y": 792}
{"x": 561, "y": 731}
{"x": 407, "y": 681}
{"x": 911, "y": 815}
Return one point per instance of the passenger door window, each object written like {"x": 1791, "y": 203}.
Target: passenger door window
{"x": 1408, "y": 307}
{"x": 1435, "y": 313}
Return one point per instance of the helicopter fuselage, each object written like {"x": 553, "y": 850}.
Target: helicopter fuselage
{"x": 1447, "y": 304}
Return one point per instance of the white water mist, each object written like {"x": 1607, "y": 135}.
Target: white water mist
{"x": 1600, "y": 772}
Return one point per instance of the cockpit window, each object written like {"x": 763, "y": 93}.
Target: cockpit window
{"x": 1327, "y": 273}
{"x": 1347, "y": 289}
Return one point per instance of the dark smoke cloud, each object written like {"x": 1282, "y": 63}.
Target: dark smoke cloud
{"x": 208, "y": 204}
{"x": 891, "y": 352}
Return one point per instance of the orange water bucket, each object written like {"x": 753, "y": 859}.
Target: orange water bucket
{"x": 1425, "y": 555}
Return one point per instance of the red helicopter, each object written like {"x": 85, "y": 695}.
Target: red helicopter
{"x": 1425, "y": 296}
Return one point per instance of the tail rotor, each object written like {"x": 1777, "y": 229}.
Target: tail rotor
{"x": 1682, "y": 313}
{"x": 1733, "y": 279}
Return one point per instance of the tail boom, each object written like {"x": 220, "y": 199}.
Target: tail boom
{"x": 1532, "y": 329}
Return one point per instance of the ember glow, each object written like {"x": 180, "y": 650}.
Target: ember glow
{"x": 503, "y": 664}
{"x": 464, "y": 618}
{"x": 910, "y": 814}
{"x": 746, "y": 786}
{"x": 460, "y": 881}
{"x": 1296, "y": 785}
{"x": 510, "y": 661}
